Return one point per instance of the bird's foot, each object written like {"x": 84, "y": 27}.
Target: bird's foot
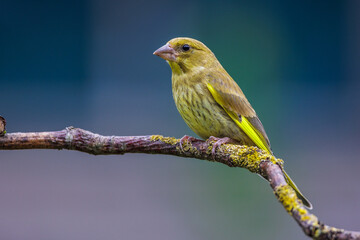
{"x": 218, "y": 142}
{"x": 186, "y": 140}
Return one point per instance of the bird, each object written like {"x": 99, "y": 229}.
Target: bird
{"x": 211, "y": 103}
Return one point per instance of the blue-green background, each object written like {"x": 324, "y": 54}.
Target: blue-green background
{"x": 89, "y": 64}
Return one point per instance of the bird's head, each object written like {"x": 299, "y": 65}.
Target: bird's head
{"x": 186, "y": 54}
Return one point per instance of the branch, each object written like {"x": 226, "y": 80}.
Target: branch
{"x": 2, "y": 126}
{"x": 251, "y": 158}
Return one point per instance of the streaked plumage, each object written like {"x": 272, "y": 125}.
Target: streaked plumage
{"x": 209, "y": 100}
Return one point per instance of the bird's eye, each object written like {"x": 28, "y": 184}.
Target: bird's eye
{"x": 186, "y": 47}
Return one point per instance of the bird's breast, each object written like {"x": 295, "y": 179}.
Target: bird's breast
{"x": 201, "y": 112}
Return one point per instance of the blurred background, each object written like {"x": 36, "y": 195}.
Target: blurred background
{"x": 89, "y": 64}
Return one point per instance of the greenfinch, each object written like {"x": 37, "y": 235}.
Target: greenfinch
{"x": 210, "y": 101}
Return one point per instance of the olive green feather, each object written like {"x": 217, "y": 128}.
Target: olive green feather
{"x": 210, "y": 101}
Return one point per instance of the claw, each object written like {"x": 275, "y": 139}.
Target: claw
{"x": 218, "y": 142}
{"x": 185, "y": 139}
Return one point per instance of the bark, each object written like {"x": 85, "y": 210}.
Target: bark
{"x": 251, "y": 158}
{"x": 2, "y": 126}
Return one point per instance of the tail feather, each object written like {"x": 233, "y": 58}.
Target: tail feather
{"x": 305, "y": 201}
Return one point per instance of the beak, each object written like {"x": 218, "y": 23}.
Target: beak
{"x": 166, "y": 52}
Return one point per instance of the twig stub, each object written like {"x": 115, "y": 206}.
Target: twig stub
{"x": 2, "y": 126}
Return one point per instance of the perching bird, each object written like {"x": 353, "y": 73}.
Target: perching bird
{"x": 210, "y": 101}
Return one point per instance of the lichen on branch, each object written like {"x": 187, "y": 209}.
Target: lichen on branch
{"x": 251, "y": 158}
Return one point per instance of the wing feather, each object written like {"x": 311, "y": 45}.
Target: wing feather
{"x": 229, "y": 95}
{"x": 234, "y": 98}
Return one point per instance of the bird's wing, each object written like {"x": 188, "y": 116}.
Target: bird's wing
{"x": 229, "y": 95}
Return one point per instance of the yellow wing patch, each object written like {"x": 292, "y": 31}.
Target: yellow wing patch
{"x": 256, "y": 137}
{"x": 244, "y": 124}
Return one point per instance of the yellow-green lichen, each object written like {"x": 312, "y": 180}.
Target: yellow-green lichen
{"x": 168, "y": 140}
{"x": 186, "y": 145}
{"x": 287, "y": 196}
{"x": 248, "y": 157}
{"x": 324, "y": 230}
